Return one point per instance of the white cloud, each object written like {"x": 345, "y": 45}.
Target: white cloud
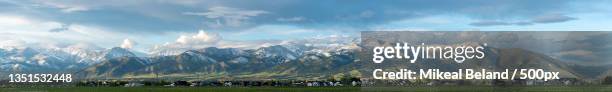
{"x": 219, "y": 12}
{"x": 271, "y": 30}
{"x": 206, "y": 39}
{"x": 43, "y": 32}
{"x": 230, "y": 16}
{"x": 13, "y": 21}
{"x": 84, "y": 45}
{"x": 200, "y": 38}
{"x": 66, "y": 7}
{"x": 19, "y": 23}
{"x": 74, "y": 9}
{"x": 291, "y": 19}
{"x": 128, "y": 44}
{"x": 12, "y": 43}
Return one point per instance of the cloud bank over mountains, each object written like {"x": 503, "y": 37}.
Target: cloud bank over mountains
{"x": 172, "y": 24}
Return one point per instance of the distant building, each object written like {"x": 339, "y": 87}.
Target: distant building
{"x": 133, "y": 84}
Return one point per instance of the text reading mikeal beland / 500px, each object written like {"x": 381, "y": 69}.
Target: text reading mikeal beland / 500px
{"x": 457, "y": 53}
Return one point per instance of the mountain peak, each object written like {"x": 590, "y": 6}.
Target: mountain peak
{"x": 117, "y": 52}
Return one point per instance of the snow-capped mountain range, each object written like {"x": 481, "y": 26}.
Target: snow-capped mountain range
{"x": 319, "y": 57}
{"x": 29, "y": 59}
{"x": 70, "y": 59}
{"x": 215, "y": 60}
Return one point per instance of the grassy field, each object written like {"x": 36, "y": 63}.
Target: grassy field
{"x": 319, "y": 89}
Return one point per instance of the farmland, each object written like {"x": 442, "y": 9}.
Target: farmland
{"x": 321, "y": 89}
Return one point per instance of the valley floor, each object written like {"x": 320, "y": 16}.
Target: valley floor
{"x": 321, "y": 89}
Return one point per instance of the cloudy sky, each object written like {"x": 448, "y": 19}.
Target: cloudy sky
{"x": 146, "y": 24}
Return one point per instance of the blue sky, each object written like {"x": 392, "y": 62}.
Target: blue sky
{"x": 147, "y": 24}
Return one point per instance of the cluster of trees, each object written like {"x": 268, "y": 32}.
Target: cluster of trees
{"x": 117, "y": 83}
{"x": 607, "y": 80}
{"x": 351, "y": 78}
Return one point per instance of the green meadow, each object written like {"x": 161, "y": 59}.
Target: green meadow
{"x": 321, "y": 89}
